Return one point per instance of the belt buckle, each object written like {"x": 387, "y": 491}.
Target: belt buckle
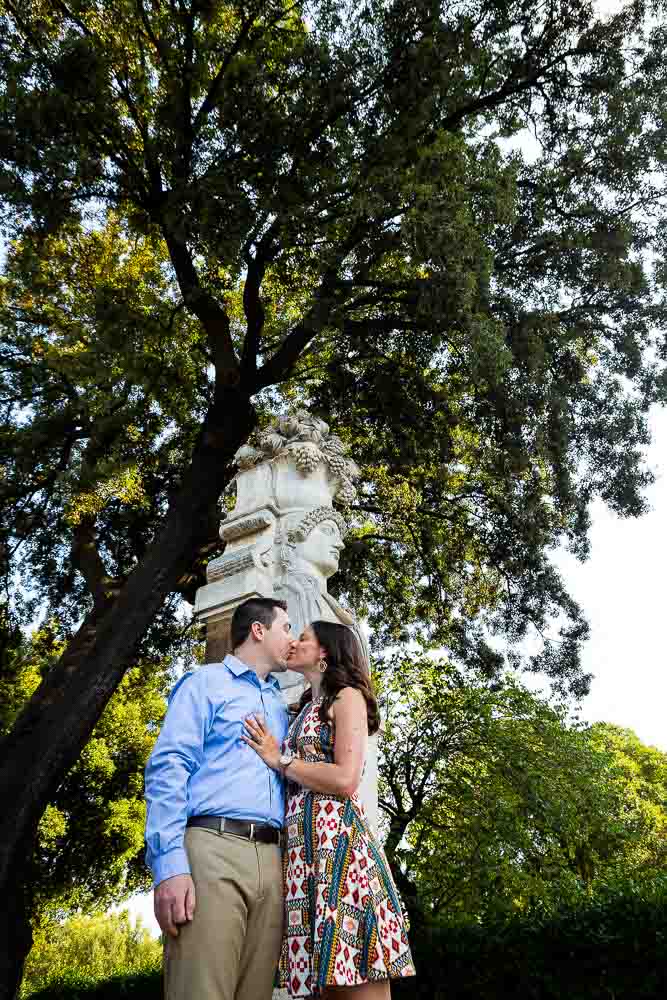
{"x": 251, "y": 835}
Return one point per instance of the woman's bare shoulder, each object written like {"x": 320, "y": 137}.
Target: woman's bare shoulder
{"x": 349, "y": 699}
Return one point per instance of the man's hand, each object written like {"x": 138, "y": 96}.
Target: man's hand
{"x": 174, "y": 903}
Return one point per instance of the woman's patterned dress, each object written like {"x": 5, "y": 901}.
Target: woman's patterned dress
{"x": 344, "y": 921}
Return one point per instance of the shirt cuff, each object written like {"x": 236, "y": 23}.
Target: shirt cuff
{"x": 168, "y": 865}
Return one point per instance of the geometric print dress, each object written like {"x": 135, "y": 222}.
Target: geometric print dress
{"x": 344, "y": 923}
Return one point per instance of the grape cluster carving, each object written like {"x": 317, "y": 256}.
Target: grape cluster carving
{"x": 305, "y": 440}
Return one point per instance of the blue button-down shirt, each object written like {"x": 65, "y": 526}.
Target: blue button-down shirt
{"x": 201, "y": 767}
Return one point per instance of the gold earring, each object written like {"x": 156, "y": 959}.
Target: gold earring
{"x": 322, "y": 665}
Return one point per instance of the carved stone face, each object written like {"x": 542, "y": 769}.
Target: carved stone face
{"x": 322, "y": 548}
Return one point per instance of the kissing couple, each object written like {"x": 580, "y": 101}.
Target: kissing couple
{"x": 266, "y": 871}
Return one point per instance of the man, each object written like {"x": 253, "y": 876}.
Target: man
{"x": 214, "y": 816}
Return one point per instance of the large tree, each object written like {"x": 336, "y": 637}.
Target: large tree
{"x": 86, "y": 949}
{"x": 90, "y": 841}
{"x": 496, "y": 803}
{"x": 214, "y": 207}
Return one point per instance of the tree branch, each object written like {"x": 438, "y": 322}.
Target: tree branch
{"x": 210, "y": 313}
{"x": 154, "y": 40}
{"x": 281, "y": 364}
{"x": 87, "y": 560}
{"x": 211, "y": 97}
{"x": 185, "y": 142}
{"x": 283, "y": 361}
{"x": 511, "y": 88}
{"x": 253, "y": 307}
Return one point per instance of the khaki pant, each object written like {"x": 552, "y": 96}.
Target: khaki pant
{"x": 230, "y": 949}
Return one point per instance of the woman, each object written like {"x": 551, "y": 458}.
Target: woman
{"x": 345, "y": 933}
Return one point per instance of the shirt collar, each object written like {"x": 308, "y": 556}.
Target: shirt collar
{"x": 238, "y": 667}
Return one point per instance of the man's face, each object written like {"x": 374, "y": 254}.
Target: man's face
{"x": 277, "y": 641}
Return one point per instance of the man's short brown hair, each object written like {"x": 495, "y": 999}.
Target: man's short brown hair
{"x": 255, "y": 609}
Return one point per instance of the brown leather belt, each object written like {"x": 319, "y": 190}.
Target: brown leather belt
{"x": 261, "y": 832}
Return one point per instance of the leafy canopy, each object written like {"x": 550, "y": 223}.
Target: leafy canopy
{"x": 496, "y": 804}
{"x": 89, "y": 852}
{"x": 329, "y": 203}
{"x": 88, "y": 949}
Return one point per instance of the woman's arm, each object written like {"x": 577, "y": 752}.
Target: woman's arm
{"x": 344, "y": 775}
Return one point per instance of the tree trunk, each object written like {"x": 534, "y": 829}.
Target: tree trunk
{"x": 15, "y": 930}
{"x": 407, "y": 888}
{"x": 50, "y": 733}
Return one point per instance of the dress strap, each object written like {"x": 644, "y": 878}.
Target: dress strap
{"x": 297, "y": 725}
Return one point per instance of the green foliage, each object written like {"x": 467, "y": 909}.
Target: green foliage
{"x": 93, "y": 330}
{"x": 330, "y": 206}
{"x": 497, "y": 804}
{"x": 138, "y": 985}
{"x": 611, "y": 947}
{"x": 214, "y": 210}
{"x": 90, "y": 843}
{"x": 85, "y": 950}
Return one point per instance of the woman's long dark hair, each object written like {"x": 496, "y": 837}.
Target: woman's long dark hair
{"x": 345, "y": 668}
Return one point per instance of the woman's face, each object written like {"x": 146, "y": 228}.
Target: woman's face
{"x": 306, "y": 652}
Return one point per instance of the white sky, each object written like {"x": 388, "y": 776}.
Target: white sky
{"x": 620, "y": 589}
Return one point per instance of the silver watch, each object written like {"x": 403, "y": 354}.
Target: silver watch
{"x": 286, "y": 759}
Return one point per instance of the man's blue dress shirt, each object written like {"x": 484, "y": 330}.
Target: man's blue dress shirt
{"x": 201, "y": 767}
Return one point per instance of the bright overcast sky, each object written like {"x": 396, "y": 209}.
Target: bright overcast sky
{"x": 620, "y": 590}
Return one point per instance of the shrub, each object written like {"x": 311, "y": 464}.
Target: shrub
{"x": 82, "y": 951}
{"x": 146, "y": 985}
{"x": 612, "y": 949}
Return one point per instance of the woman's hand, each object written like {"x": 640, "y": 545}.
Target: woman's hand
{"x": 262, "y": 741}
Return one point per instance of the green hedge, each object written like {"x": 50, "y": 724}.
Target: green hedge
{"x": 610, "y": 950}
{"x": 614, "y": 949}
{"x": 78, "y": 986}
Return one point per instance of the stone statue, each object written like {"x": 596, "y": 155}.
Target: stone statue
{"x": 284, "y": 538}
{"x": 310, "y": 555}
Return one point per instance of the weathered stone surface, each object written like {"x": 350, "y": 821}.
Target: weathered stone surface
{"x": 284, "y": 539}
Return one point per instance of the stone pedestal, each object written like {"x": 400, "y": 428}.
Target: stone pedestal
{"x": 242, "y": 571}
{"x": 218, "y": 639}
{"x": 283, "y": 539}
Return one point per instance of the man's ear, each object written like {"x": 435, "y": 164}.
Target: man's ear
{"x": 257, "y": 631}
